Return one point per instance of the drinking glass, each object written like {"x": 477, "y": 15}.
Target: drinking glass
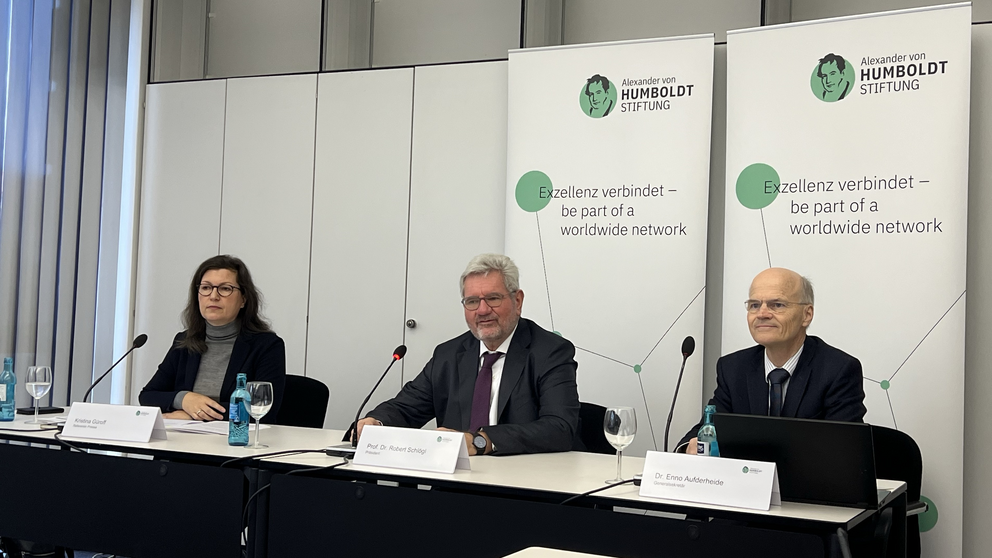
{"x": 620, "y": 425}
{"x": 261, "y": 402}
{"x": 38, "y": 381}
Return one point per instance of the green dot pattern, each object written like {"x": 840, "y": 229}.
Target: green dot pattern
{"x": 637, "y": 368}
{"x": 755, "y": 186}
{"x": 885, "y": 384}
{"x": 533, "y": 191}
{"x": 928, "y": 519}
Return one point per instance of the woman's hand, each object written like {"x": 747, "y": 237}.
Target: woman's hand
{"x": 201, "y": 407}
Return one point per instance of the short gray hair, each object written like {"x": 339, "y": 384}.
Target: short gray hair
{"x": 483, "y": 264}
{"x": 805, "y": 290}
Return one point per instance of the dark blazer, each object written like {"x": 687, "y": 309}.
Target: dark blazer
{"x": 538, "y": 397}
{"x": 827, "y": 385}
{"x": 261, "y": 356}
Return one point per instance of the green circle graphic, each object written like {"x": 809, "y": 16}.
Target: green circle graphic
{"x": 533, "y": 191}
{"x": 832, "y": 78}
{"x": 637, "y": 368}
{"x": 884, "y": 384}
{"x": 757, "y": 186}
{"x": 598, "y": 97}
{"x": 928, "y": 519}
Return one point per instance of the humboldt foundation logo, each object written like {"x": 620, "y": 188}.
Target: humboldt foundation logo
{"x": 832, "y": 79}
{"x": 598, "y": 97}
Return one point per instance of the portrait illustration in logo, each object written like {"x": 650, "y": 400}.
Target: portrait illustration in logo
{"x": 832, "y": 79}
{"x": 598, "y": 97}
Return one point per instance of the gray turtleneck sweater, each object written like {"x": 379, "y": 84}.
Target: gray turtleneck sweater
{"x": 213, "y": 363}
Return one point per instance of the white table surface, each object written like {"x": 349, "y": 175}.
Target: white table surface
{"x": 566, "y": 473}
{"x": 541, "y": 552}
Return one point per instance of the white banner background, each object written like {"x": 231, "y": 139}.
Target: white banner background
{"x": 895, "y": 300}
{"x": 626, "y": 300}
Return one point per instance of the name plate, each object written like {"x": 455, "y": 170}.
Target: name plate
{"x": 119, "y": 423}
{"x": 711, "y": 480}
{"x": 432, "y": 451}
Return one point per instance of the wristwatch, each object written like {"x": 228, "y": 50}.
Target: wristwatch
{"x": 480, "y": 443}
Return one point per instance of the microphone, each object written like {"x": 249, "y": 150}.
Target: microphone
{"x": 397, "y": 354}
{"x": 688, "y": 347}
{"x": 138, "y": 342}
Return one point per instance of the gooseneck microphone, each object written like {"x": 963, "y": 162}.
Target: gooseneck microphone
{"x": 688, "y": 346}
{"x": 353, "y": 431}
{"x": 138, "y": 342}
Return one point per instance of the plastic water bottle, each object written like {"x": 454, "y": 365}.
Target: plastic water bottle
{"x": 8, "y": 381}
{"x": 706, "y": 443}
{"x": 238, "y": 413}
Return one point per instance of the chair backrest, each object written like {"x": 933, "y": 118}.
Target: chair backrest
{"x": 898, "y": 457}
{"x": 591, "y": 429}
{"x": 304, "y": 403}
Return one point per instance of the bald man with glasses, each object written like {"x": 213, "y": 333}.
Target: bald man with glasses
{"x": 507, "y": 384}
{"x": 788, "y": 373}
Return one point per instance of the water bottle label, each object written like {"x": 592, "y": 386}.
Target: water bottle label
{"x": 702, "y": 448}
{"x": 234, "y": 414}
{"x": 3, "y": 393}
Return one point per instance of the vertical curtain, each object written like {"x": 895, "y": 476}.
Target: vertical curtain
{"x": 64, "y": 72}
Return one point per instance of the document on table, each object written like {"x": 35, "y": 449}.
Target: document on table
{"x": 199, "y": 427}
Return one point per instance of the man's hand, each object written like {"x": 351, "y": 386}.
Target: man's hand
{"x": 362, "y": 423}
{"x": 201, "y": 407}
{"x": 180, "y": 415}
{"x": 691, "y": 448}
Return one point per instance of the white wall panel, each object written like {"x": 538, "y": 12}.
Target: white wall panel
{"x": 267, "y": 196}
{"x": 179, "y": 223}
{"x": 457, "y": 195}
{"x": 361, "y": 191}
{"x": 978, "y": 325}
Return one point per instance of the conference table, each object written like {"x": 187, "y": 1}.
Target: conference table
{"x": 181, "y": 496}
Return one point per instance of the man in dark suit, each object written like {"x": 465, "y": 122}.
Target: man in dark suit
{"x": 507, "y": 384}
{"x": 788, "y": 373}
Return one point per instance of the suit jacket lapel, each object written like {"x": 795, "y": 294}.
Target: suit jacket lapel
{"x": 800, "y": 379}
{"x": 757, "y": 385}
{"x": 238, "y": 356}
{"x": 513, "y": 365}
{"x": 468, "y": 370}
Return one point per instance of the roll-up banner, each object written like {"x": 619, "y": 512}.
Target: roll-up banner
{"x": 607, "y": 185}
{"x": 847, "y": 161}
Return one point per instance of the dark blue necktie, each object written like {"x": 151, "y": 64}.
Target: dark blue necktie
{"x": 776, "y": 378}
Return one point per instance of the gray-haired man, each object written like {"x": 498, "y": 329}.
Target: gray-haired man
{"x": 507, "y": 384}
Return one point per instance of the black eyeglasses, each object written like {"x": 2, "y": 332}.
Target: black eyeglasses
{"x": 493, "y": 300}
{"x": 206, "y": 289}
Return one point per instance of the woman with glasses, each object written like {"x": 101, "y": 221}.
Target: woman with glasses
{"x": 225, "y": 335}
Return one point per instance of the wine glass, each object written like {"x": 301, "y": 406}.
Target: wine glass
{"x": 619, "y": 425}
{"x": 38, "y": 381}
{"x": 261, "y": 402}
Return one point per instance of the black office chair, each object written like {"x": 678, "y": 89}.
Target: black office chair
{"x": 304, "y": 403}
{"x": 897, "y": 457}
{"x": 591, "y": 433}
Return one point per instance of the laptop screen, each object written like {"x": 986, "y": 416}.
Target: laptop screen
{"x": 818, "y": 461}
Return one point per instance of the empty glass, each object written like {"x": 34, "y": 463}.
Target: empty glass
{"x": 261, "y": 402}
{"x": 619, "y": 425}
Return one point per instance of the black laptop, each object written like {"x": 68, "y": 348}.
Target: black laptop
{"x": 818, "y": 461}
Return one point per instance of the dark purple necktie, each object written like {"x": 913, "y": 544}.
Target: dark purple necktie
{"x": 776, "y": 378}
{"x": 483, "y": 392}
